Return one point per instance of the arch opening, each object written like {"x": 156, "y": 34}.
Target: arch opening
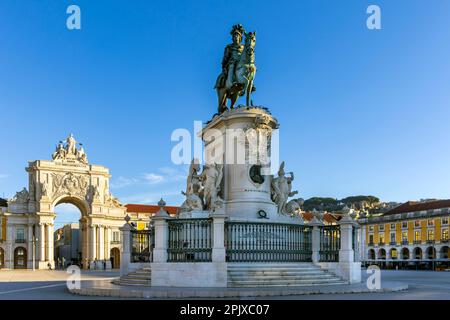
{"x": 444, "y": 252}
{"x": 69, "y": 240}
{"x": 405, "y": 254}
{"x": 417, "y": 253}
{"x": 382, "y": 254}
{"x": 393, "y": 253}
{"x": 115, "y": 258}
{"x": 431, "y": 253}
{"x": 372, "y": 254}
{"x": 20, "y": 258}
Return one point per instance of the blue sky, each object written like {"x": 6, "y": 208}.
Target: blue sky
{"x": 361, "y": 111}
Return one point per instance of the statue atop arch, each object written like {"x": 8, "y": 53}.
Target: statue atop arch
{"x": 67, "y": 150}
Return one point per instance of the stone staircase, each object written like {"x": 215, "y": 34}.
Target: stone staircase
{"x": 141, "y": 277}
{"x": 246, "y": 275}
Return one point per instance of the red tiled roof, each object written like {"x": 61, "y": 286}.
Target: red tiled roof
{"x": 412, "y": 206}
{"x": 145, "y": 208}
{"x": 327, "y": 217}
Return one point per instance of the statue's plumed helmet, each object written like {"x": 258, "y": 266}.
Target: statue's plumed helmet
{"x": 281, "y": 170}
{"x": 237, "y": 28}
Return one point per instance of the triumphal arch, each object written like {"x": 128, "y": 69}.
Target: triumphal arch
{"x": 67, "y": 178}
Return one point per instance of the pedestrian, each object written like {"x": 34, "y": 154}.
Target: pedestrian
{"x": 63, "y": 263}
{"x": 58, "y": 264}
{"x": 49, "y": 265}
{"x": 95, "y": 264}
{"x": 104, "y": 265}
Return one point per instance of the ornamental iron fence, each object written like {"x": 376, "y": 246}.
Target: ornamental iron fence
{"x": 355, "y": 244}
{"x": 142, "y": 244}
{"x": 190, "y": 240}
{"x": 267, "y": 242}
{"x": 330, "y": 243}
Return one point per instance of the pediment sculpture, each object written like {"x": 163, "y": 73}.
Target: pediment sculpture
{"x": 21, "y": 197}
{"x": 112, "y": 201}
{"x": 68, "y": 150}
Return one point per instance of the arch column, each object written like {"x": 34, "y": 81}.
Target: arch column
{"x": 108, "y": 247}
{"x": 101, "y": 243}
{"x": 84, "y": 243}
{"x": 41, "y": 242}
{"x": 92, "y": 244}
{"x": 50, "y": 246}
{"x": 9, "y": 252}
{"x": 30, "y": 250}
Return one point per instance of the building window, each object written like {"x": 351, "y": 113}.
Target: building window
{"x": 430, "y": 222}
{"x": 417, "y": 224}
{"x": 444, "y": 220}
{"x": 20, "y": 234}
{"x": 417, "y": 236}
{"x": 404, "y": 225}
{"x": 381, "y": 236}
{"x": 393, "y": 253}
{"x": 405, "y": 236}
{"x": 116, "y": 236}
{"x": 370, "y": 228}
{"x": 381, "y": 227}
{"x": 392, "y": 226}
{"x": 392, "y": 237}
{"x": 430, "y": 235}
{"x": 444, "y": 234}
{"x": 371, "y": 238}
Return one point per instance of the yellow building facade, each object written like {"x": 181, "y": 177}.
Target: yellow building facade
{"x": 413, "y": 235}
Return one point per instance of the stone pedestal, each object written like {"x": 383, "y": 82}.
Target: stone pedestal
{"x": 347, "y": 267}
{"x": 218, "y": 251}
{"x": 315, "y": 239}
{"x": 240, "y": 139}
{"x": 126, "y": 250}
{"x": 161, "y": 236}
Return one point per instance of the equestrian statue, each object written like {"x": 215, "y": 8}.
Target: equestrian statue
{"x": 238, "y": 69}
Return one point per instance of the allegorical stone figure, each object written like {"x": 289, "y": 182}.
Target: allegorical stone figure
{"x": 44, "y": 191}
{"x": 194, "y": 189}
{"x": 212, "y": 177}
{"x": 60, "y": 152}
{"x": 282, "y": 189}
{"x": 21, "y": 196}
{"x": 71, "y": 147}
{"x": 67, "y": 149}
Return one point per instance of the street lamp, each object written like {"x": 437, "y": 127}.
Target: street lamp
{"x": 433, "y": 256}
{"x": 34, "y": 243}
